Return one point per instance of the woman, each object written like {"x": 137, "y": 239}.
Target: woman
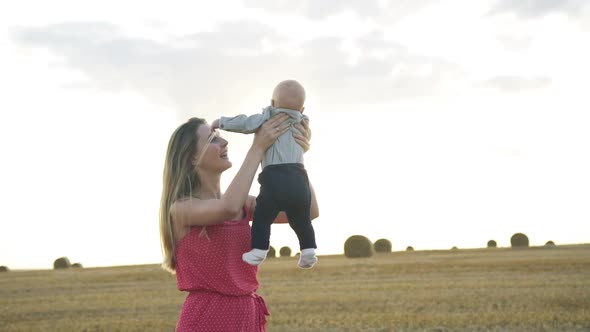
{"x": 204, "y": 233}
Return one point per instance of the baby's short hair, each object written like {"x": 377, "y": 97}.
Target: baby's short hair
{"x": 289, "y": 94}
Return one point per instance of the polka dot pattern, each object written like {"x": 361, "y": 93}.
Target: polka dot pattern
{"x": 221, "y": 286}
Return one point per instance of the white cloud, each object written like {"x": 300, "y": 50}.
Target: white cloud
{"x": 371, "y": 9}
{"x": 540, "y": 8}
{"x": 516, "y": 84}
{"x": 210, "y": 64}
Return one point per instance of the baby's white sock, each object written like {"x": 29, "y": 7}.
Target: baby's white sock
{"x": 254, "y": 256}
{"x": 307, "y": 258}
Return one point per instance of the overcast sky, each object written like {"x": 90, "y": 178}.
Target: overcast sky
{"x": 436, "y": 123}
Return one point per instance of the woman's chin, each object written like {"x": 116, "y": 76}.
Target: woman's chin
{"x": 227, "y": 163}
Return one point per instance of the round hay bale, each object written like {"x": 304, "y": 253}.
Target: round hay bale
{"x": 3, "y": 268}
{"x": 358, "y": 246}
{"x": 410, "y": 248}
{"x": 62, "y": 263}
{"x": 77, "y": 265}
{"x": 272, "y": 253}
{"x": 285, "y": 252}
{"x": 519, "y": 240}
{"x": 382, "y": 245}
{"x": 492, "y": 244}
{"x": 550, "y": 244}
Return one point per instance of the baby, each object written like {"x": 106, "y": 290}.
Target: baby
{"x": 284, "y": 185}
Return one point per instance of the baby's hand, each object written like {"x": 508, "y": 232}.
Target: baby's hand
{"x": 215, "y": 124}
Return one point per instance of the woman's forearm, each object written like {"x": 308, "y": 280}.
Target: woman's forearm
{"x": 315, "y": 210}
{"x": 237, "y": 192}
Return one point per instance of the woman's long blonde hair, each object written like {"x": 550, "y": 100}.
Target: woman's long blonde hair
{"x": 180, "y": 180}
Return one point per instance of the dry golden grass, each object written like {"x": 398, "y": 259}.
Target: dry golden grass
{"x": 535, "y": 289}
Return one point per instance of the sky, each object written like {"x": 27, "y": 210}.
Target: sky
{"x": 435, "y": 123}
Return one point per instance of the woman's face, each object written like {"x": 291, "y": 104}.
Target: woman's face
{"x": 211, "y": 150}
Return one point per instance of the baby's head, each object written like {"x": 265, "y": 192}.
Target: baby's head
{"x": 288, "y": 94}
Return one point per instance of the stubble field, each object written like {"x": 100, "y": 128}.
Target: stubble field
{"x": 502, "y": 289}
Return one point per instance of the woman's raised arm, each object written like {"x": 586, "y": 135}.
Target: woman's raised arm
{"x": 213, "y": 211}
{"x": 302, "y": 140}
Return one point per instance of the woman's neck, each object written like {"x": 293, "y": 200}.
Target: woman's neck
{"x": 210, "y": 187}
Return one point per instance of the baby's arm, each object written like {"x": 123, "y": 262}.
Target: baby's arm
{"x": 242, "y": 123}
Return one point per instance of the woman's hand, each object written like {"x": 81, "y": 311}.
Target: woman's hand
{"x": 267, "y": 134}
{"x": 305, "y": 136}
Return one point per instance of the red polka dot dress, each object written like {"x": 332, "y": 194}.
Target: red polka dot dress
{"x": 221, "y": 286}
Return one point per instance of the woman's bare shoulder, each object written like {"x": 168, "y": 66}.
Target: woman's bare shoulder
{"x": 178, "y": 213}
{"x": 180, "y": 207}
{"x": 199, "y": 212}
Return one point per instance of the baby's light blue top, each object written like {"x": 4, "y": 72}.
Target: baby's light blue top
{"x": 285, "y": 149}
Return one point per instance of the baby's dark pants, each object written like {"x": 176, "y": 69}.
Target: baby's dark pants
{"x": 283, "y": 187}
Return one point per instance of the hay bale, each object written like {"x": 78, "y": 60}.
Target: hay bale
{"x": 272, "y": 253}
{"x": 77, "y": 265}
{"x": 62, "y": 263}
{"x": 3, "y": 268}
{"x": 285, "y": 252}
{"x": 492, "y": 244}
{"x": 519, "y": 240}
{"x": 382, "y": 245}
{"x": 410, "y": 248}
{"x": 358, "y": 246}
{"x": 550, "y": 244}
